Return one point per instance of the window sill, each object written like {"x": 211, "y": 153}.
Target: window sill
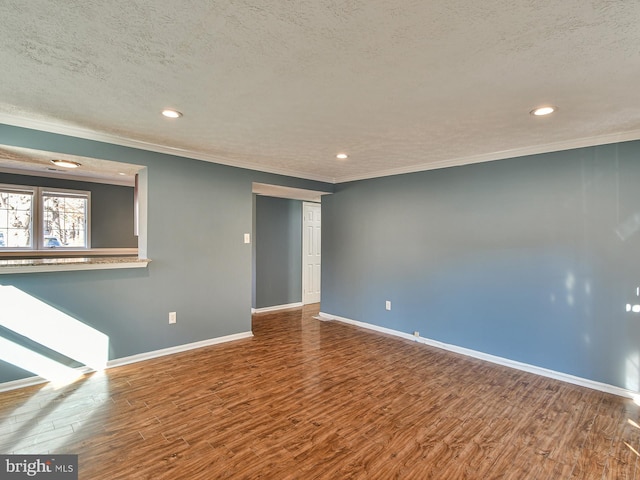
{"x": 37, "y": 265}
{"x": 68, "y": 252}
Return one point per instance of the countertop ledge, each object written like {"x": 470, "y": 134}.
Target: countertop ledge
{"x": 36, "y": 265}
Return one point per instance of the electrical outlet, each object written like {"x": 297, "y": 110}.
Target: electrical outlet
{"x": 416, "y": 333}
{"x": 172, "y": 317}
{"x": 387, "y": 305}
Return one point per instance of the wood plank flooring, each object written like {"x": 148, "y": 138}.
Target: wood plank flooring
{"x": 306, "y": 399}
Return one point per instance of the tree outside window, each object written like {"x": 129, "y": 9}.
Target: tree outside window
{"x": 64, "y": 220}
{"x": 16, "y": 219}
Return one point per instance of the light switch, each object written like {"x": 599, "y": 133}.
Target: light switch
{"x": 247, "y": 238}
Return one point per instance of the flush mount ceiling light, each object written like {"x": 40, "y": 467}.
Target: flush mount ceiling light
{"x": 169, "y": 113}
{"x": 542, "y": 111}
{"x": 342, "y": 156}
{"x": 65, "y": 163}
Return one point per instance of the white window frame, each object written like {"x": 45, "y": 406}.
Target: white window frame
{"x": 23, "y": 189}
{"x": 37, "y": 222}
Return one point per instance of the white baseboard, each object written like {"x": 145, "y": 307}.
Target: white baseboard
{"x": 275, "y": 308}
{"x": 30, "y": 381}
{"x": 177, "y": 349}
{"x": 583, "y": 382}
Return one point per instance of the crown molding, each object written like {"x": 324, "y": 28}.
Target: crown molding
{"x": 500, "y": 155}
{"x": 89, "y": 134}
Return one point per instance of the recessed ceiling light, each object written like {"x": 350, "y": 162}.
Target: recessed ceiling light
{"x": 65, "y": 163}
{"x": 541, "y": 111}
{"x": 342, "y": 156}
{"x": 167, "y": 112}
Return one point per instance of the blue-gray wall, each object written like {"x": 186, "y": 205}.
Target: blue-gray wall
{"x": 278, "y": 239}
{"x": 532, "y": 259}
{"x": 201, "y": 268}
{"x": 112, "y": 220}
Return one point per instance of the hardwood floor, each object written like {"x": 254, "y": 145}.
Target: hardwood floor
{"x": 306, "y": 399}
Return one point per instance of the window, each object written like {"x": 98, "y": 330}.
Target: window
{"x": 16, "y": 217}
{"x": 38, "y": 218}
{"x": 65, "y": 215}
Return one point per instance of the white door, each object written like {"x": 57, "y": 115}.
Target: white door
{"x": 311, "y": 253}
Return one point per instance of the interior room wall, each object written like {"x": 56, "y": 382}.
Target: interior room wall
{"x": 532, "y": 259}
{"x": 200, "y": 266}
{"x": 278, "y": 240}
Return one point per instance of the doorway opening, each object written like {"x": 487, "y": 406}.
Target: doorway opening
{"x": 283, "y": 261}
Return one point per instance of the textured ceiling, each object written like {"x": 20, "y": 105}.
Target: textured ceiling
{"x": 400, "y": 85}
